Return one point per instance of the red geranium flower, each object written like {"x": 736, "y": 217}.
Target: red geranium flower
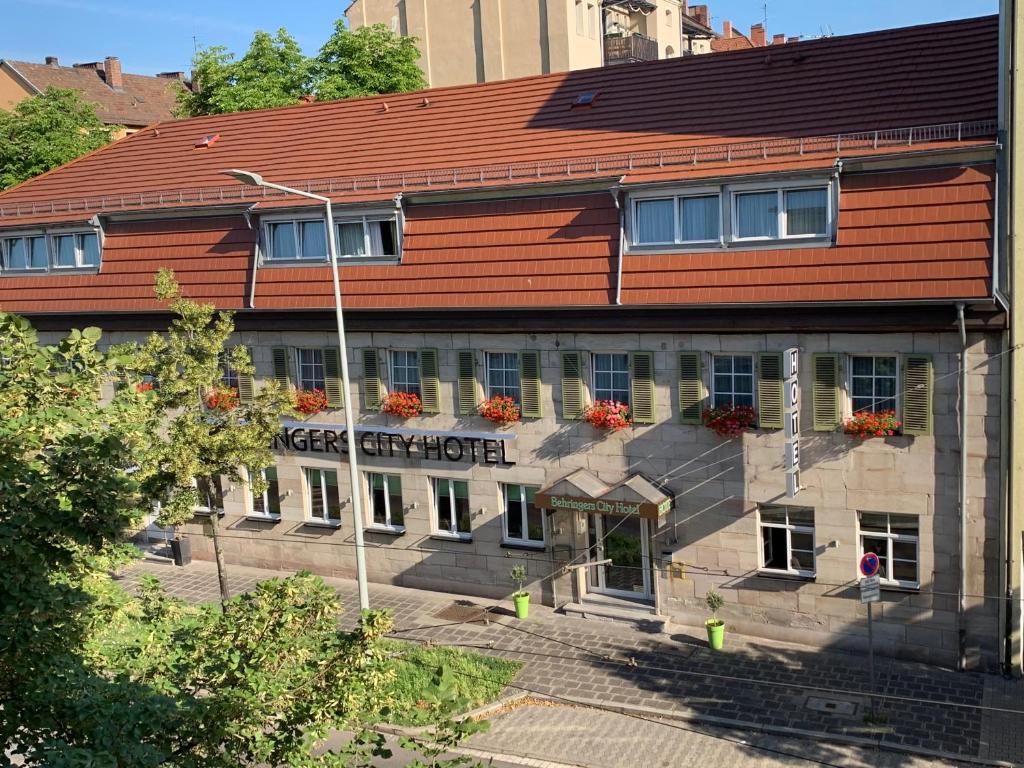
{"x": 610, "y": 415}
{"x": 404, "y": 404}
{"x": 730, "y": 420}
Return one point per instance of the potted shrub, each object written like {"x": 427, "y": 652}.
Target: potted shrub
{"x": 222, "y": 399}
{"x": 501, "y": 409}
{"x": 608, "y": 415}
{"x": 715, "y": 626}
{"x": 520, "y": 597}
{"x": 730, "y": 420}
{"x": 310, "y": 402}
{"x": 865, "y": 424}
{"x": 404, "y": 404}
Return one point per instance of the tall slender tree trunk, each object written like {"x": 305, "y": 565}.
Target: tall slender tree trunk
{"x": 218, "y": 554}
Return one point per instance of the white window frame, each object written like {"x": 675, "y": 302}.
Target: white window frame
{"x": 250, "y": 500}
{"x": 886, "y": 578}
{"x": 677, "y": 198}
{"x": 49, "y": 243}
{"x": 77, "y": 236}
{"x": 372, "y": 524}
{"x": 366, "y": 218}
{"x": 848, "y": 379}
{"x": 27, "y": 235}
{"x": 200, "y": 508}
{"x": 298, "y": 367}
{"x": 392, "y": 382}
{"x": 629, "y": 374}
{"x": 435, "y": 522}
{"x": 518, "y": 371}
{"x": 308, "y": 501}
{"x": 790, "y": 529}
{"x": 780, "y": 190}
{"x": 712, "y": 389}
{"x": 525, "y": 540}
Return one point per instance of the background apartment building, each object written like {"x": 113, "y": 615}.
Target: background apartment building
{"x": 484, "y": 40}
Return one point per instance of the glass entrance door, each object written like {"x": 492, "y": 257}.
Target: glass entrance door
{"x": 624, "y": 541}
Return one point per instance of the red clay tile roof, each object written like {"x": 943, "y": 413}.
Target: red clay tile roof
{"x": 143, "y": 100}
{"x": 926, "y": 75}
{"x": 737, "y": 42}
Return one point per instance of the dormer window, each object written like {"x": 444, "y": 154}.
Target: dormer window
{"x": 61, "y": 250}
{"x": 365, "y": 237}
{"x": 76, "y": 250}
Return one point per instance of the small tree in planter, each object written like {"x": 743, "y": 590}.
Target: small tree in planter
{"x": 520, "y": 597}
{"x": 404, "y": 404}
{"x": 865, "y": 424}
{"x": 608, "y": 415}
{"x": 715, "y": 626}
{"x": 730, "y": 420}
{"x": 310, "y": 402}
{"x": 501, "y": 409}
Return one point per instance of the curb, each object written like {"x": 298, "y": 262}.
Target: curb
{"x": 480, "y": 713}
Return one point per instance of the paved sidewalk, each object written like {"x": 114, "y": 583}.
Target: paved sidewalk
{"x": 784, "y": 689}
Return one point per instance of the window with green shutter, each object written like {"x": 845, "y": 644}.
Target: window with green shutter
{"x": 769, "y": 390}
{"x": 282, "y": 374}
{"x": 246, "y": 383}
{"x": 825, "y": 392}
{"x": 572, "y": 385}
{"x": 691, "y": 390}
{"x": 642, "y": 387}
{"x": 529, "y": 384}
{"x": 430, "y": 383}
{"x": 332, "y": 378}
{"x": 466, "y": 369}
{"x": 918, "y": 381}
{"x": 373, "y": 387}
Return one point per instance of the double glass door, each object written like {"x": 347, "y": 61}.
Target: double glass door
{"x": 624, "y": 541}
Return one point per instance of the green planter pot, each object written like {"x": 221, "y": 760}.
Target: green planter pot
{"x": 522, "y": 605}
{"x": 716, "y": 634}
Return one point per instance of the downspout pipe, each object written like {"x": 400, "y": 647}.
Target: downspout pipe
{"x": 622, "y": 243}
{"x": 962, "y": 595}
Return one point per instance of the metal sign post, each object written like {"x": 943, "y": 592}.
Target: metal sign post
{"x": 870, "y": 592}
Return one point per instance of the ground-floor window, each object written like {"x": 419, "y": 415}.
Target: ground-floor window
{"x": 451, "y": 505}
{"x": 323, "y": 500}
{"x": 268, "y": 503}
{"x": 895, "y": 539}
{"x": 209, "y": 494}
{"x": 385, "y": 495}
{"x": 524, "y": 522}
{"x": 787, "y": 539}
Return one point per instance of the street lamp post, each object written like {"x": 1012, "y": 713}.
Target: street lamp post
{"x": 256, "y": 180}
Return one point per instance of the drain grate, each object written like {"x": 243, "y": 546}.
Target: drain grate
{"x": 831, "y": 706}
{"x": 462, "y": 610}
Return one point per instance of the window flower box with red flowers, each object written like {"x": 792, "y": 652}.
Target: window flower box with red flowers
{"x": 222, "y": 399}
{"x": 730, "y": 420}
{"x": 144, "y": 386}
{"x": 404, "y": 404}
{"x": 865, "y": 424}
{"x": 310, "y": 402}
{"x": 609, "y": 415}
{"x": 501, "y": 409}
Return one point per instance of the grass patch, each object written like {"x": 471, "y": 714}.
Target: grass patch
{"x": 474, "y": 680}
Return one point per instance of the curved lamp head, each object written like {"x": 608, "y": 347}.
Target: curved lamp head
{"x": 246, "y": 177}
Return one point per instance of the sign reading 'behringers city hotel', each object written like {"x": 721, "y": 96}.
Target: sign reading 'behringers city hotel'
{"x": 412, "y": 444}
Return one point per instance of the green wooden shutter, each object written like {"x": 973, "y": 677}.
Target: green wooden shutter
{"x": 825, "y": 392}
{"x": 332, "y": 378}
{"x": 529, "y": 384}
{"x": 641, "y": 366}
{"x": 430, "y": 383}
{"x": 691, "y": 391}
{"x": 918, "y": 379}
{"x": 572, "y": 385}
{"x": 246, "y": 383}
{"x": 281, "y": 366}
{"x": 373, "y": 387}
{"x": 467, "y": 381}
{"x": 769, "y": 390}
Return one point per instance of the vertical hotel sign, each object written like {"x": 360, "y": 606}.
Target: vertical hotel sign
{"x": 791, "y": 419}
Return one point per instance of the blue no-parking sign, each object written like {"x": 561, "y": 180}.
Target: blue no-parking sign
{"x": 869, "y": 564}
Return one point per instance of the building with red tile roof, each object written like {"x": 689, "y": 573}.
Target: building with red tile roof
{"x": 664, "y": 235}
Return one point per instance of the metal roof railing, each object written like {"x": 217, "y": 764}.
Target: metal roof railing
{"x": 678, "y": 157}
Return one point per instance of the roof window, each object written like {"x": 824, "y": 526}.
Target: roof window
{"x": 585, "y": 99}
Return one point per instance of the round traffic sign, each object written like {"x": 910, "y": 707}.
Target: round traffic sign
{"x": 869, "y": 564}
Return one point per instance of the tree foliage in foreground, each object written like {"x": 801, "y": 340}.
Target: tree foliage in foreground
{"x": 45, "y": 131}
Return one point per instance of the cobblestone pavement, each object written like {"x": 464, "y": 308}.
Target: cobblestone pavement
{"x": 754, "y": 684}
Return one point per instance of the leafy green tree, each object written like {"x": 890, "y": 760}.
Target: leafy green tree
{"x": 47, "y": 130}
{"x": 370, "y": 60}
{"x": 202, "y": 440}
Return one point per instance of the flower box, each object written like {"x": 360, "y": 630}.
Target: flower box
{"x": 404, "y": 404}
{"x": 730, "y": 420}
{"x": 222, "y": 399}
{"x": 609, "y": 415}
{"x": 309, "y": 402}
{"x": 500, "y": 409}
{"x": 144, "y": 386}
{"x": 865, "y": 424}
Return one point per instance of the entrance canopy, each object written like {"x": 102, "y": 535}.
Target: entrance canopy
{"x": 582, "y": 491}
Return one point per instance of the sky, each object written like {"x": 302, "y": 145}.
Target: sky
{"x": 152, "y": 37}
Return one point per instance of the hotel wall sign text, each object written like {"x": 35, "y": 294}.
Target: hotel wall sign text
{"x": 402, "y": 444}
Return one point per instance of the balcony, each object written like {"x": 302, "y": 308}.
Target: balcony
{"x": 629, "y": 49}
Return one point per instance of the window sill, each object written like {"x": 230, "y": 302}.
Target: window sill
{"x": 387, "y": 531}
{"x": 785, "y": 575}
{"x": 466, "y": 539}
{"x": 321, "y": 524}
{"x": 207, "y": 513}
{"x": 51, "y": 271}
{"x": 326, "y": 262}
{"x": 264, "y": 518}
{"x": 742, "y": 245}
{"x": 522, "y": 545}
